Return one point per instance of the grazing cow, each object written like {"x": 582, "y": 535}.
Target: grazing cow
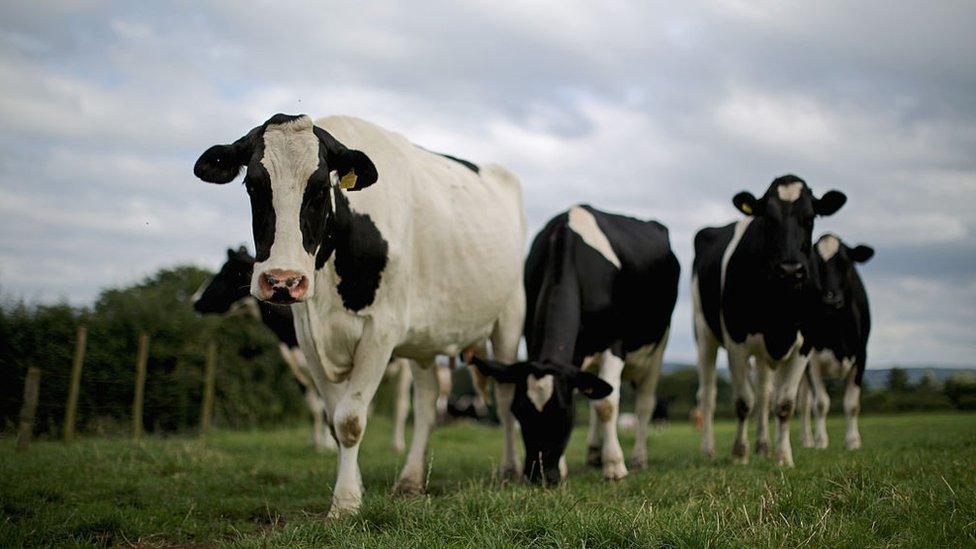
{"x": 596, "y": 284}
{"x": 358, "y": 230}
{"x": 836, "y": 328}
{"x": 231, "y": 286}
{"x": 748, "y": 284}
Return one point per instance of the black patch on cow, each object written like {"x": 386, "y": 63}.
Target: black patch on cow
{"x": 839, "y": 318}
{"x": 466, "y": 163}
{"x": 361, "y": 254}
{"x": 579, "y": 303}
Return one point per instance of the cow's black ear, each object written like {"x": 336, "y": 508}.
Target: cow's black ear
{"x": 355, "y": 170}
{"x": 503, "y": 373}
{"x": 829, "y": 203}
{"x": 745, "y": 202}
{"x": 231, "y": 254}
{"x": 860, "y": 254}
{"x": 591, "y": 386}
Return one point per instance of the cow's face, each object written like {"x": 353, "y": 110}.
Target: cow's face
{"x": 833, "y": 266}
{"x": 786, "y": 213}
{"x": 292, "y": 167}
{"x": 228, "y": 286}
{"x": 544, "y": 407}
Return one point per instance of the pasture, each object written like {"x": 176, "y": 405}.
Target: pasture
{"x": 914, "y": 484}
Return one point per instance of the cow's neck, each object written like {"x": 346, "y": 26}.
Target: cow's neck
{"x": 558, "y": 313}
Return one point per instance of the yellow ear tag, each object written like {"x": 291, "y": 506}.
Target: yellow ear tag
{"x": 746, "y": 208}
{"x": 348, "y": 181}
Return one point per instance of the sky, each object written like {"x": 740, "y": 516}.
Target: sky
{"x": 659, "y": 110}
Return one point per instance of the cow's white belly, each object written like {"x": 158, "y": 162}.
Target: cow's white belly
{"x": 755, "y": 345}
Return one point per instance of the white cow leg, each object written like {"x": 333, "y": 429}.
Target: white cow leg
{"x": 645, "y": 400}
{"x": 707, "y": 390}
{"x": 504, "y": 343}
{"x": 607, "y": 411}
{"x": 743, "y": 398}
{"x": 803, "y": 403}
{"x": 425, "y": 390}
{"x": 444, "y": 385}
{"x": 349, "y": 419}
{"x": 852, "y": 407}
{"x": 401, "y": 407}
{"x": 787, "y": 380}
{"x": 764, "y": 387}
{"x": 821, "y": 404}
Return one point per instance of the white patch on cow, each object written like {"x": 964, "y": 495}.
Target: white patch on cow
{"x": 584, "y": 224}
{"x": 539, "y": 390}
{"x": 790, "y": 192}
{"x": 291, "y": 154}
{"x": 199, "y": 293}
{"x": 827, "y": 246}
{"x": 740, "y": 229}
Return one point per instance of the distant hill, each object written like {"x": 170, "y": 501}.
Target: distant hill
{"x": 873, "y": 378}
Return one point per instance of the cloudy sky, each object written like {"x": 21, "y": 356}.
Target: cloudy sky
{"x": 654, "y": 109}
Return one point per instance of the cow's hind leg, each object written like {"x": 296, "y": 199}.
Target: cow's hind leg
{"x": 707, "y": 346}
{"x": 504, "y": 343}
{"x": 645, "y": 400}
{"x": 821, "y": 402}
{"x": 425, "y": 389}
{"x": 322, "y": 439}
{"x": 803, "y": 405}
{"x": 401, "y": 407}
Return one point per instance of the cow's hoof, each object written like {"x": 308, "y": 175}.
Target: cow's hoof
{"x": 509, "y": 473}
{"x": 615, "y": 470}
{"x": 342, "y": 508}
{"x": 821, "y": 443}
{"x": 638, "y": 463}
{"x": 740, "y": 453}
{"x": 853, "y": 443}
{"x": 409, "y": 487}
{"x": 594, "y": 456}
{"x": 784, "y": 460}
{"x": 708, "y": 452}
{"x": 762, "y": 448}
{"x": 806, "y": 442}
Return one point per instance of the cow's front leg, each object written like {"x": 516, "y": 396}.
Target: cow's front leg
{"x": 764, "y": 388}
{"x": 594, "y": 440}
{"x": 743, "y": 397}
{"x": 349, "y": 421}
{"x": 788, "y": 377}
{"x": 607, "y": 410}
{"x": 425, "y": 391}
{"x": 504, "y": 342}
{"x": 852, "y": 406}
{"x": 803, "y": 405}
{"x": 645, "y": 400}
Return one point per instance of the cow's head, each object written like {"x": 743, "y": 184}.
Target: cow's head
{"x": 833, "y": 269}
{"x": 292, "y": 167}
{"x": 544, "y": 408}
{"x": 786, "y": 214}
{"x": 228, "y": 286}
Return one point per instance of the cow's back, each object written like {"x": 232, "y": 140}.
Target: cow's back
{"x": 455, "y": 236}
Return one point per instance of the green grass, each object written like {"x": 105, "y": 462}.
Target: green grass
{"x": 913, "y": 484}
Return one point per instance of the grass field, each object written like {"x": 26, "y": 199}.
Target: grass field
{"x": 914, "y": 484}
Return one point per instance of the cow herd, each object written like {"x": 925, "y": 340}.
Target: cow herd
{"x": 369, "y": 248}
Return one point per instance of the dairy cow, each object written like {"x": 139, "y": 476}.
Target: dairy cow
{"x": 836, "y": 328}
{"x": 357, "y": 229}
{"x": 749, "y": 282}
{"x": 600, "y": 291}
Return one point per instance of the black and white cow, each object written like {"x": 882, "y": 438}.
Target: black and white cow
{"x": 836, "y": 328}
{"x": 230, "y": 288}
{"x": 596, "y": 284}
{"x": 358, "y": 229}
{"x": 749, "y": 282}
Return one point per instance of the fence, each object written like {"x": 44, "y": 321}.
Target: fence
{"x": 32, "y": 388}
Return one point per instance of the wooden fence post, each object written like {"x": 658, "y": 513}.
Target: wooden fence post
{"x": 141, "y": 359}
{"x": 81, "y": 341}
{"x": 32, "y": 389}
{"x": 206, "y": 413}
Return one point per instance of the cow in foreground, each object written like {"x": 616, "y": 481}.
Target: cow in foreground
{"x": 749, "y": 284}
{"x": 357, "y": 229}
{"x": 600, "y": 290}
{"x": 229, "y": 288}
{"x": 836, "y": 328}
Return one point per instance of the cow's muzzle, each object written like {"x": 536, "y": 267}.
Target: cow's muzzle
{"x": 282, "y": 287}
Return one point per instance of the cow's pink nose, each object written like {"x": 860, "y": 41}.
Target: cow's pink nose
{"x": 280, "y": 286}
